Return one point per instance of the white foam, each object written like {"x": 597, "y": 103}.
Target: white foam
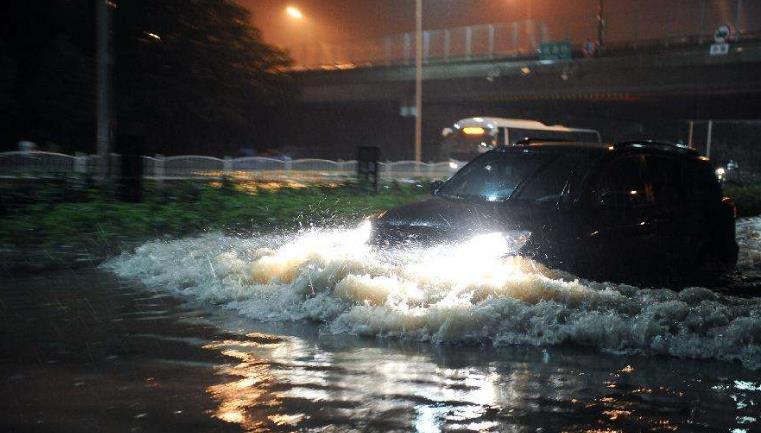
{"x": 465, "y": 293}
{"x": 749, "y": 239}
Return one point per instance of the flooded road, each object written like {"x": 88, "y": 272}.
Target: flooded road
{"x": 116, "y": 356}
{"x": 80, "y": 352}
{"x": 314, "y": 333}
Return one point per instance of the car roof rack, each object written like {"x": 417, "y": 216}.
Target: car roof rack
{"x": 658, "y": 145}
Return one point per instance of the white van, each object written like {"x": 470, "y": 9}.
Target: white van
{"x": 475, "y": 135}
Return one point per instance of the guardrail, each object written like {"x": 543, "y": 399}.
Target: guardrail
{"x": 37, "y": 164}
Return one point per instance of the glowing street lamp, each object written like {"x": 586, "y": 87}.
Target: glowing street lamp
{"x": 294, "y": 13}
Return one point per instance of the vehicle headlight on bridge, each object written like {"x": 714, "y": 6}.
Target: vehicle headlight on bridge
{"x": 473, "y": 130}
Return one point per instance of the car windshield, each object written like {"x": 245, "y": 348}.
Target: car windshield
{"x": 528, "y": 176}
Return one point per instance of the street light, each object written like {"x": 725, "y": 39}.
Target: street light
{"x": 418, "y": 81}
{"x": 303, "y": 37}
{"x": 294, "y": 13}
{"x": 600, "y": 24}
{"x": 103, "y": 85}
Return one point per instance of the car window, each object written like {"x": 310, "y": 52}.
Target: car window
{"x": 547, "y": 184}
{"x": 665, "y": 185}
{"x": 622, "y": 184}
{"x": 494, "y": 177}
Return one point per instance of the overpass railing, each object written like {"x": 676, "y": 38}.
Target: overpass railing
{"x": 37, "y": 164}
{"x": 637, "y": 24}
{"x": 453, "y": 44}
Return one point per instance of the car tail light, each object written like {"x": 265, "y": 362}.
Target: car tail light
{"x": 729, "y": 203}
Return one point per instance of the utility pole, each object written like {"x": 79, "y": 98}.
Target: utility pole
{"x": 738, "y": 16}
{"x": 418, "y": 80}
{"x": 529, "y": 22}
{"x": 600, "y": 24}
{"x": 103, "y": 93}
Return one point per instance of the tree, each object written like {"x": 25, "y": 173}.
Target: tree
{"x": 45, "y": 74}
{"x": 60, "y": 98}
{"x": 196, "y": 76}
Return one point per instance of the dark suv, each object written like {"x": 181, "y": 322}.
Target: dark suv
{"x": 633, "y": 209}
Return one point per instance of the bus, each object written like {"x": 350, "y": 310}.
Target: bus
{"x": 473, "y": 136}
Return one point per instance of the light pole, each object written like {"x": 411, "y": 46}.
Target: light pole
{"x": 600, "y": 24}
{"x": 103, "y": 83}
{"x": 418, "y": 80}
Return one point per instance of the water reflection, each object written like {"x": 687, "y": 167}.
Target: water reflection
{"x": 249, "y": 382}
{"x": 300, "y": 384}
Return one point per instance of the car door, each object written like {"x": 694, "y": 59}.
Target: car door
{"x": 619, "y": 235}
{"x": 670, "y": 213}
{"x": 542, "y": 199}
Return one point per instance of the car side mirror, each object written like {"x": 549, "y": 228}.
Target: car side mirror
{"x": 435, "y": 185}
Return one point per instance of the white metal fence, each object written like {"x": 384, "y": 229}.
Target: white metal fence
{"x": 36, "y": 164}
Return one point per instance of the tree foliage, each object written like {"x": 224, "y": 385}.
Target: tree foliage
{"x": 194, "y": 75}
{"x": 197, "y": 76}
{"x": 46, "y": 72}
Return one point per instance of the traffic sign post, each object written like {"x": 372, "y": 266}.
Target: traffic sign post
{"x": 721, "y": 38}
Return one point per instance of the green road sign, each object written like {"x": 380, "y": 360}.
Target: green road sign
{"x": 555, "y": 51}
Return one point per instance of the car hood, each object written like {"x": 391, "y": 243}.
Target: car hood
{"x": 444, "y": 217}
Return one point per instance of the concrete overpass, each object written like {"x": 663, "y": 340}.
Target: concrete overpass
{"x": 628, "y": 91}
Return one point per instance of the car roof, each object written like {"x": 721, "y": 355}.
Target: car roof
{"x": 564, "y": 146}
{"x": 605, "y": 148}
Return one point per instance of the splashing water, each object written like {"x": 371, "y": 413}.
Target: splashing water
{"x": 470, "y": 292}
{"x": 749, "y": 239}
